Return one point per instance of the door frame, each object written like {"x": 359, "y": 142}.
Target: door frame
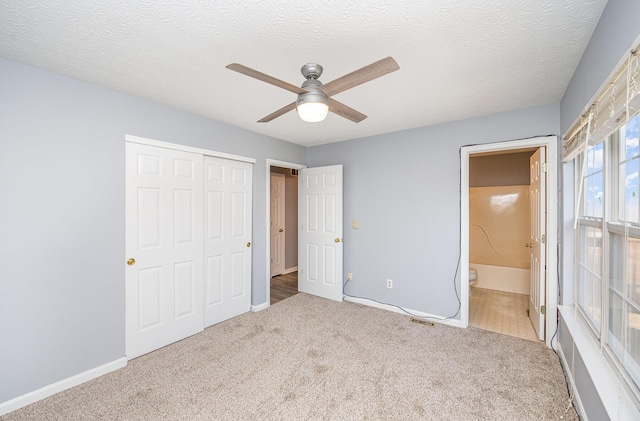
{"x": 281, "y": 164}
{"x": 184, "y": 148}
{"x": 551, "y": 295}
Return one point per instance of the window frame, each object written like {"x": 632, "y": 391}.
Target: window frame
{"x": 589, "y": 223}
{"x": 611, "y": 223}
{"x": 612, "y": 356}
{"x": 620, "y": 160}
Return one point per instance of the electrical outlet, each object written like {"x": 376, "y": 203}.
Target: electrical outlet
{"x": 349, "y": 276}
{"x": 389, "y": 283}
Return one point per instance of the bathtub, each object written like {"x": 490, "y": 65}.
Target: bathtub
{"x": 502, "y": 278}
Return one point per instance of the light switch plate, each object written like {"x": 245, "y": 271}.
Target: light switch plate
{"x": 356, "y": 224}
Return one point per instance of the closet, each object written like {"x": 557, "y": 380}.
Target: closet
{"x": 188, "y": 241}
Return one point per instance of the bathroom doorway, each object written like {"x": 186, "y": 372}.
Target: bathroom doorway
{"x": 495, "y": 229}
{"x": 499, "y": 225}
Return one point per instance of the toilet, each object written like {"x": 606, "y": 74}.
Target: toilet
{"x": 473, "y": 276}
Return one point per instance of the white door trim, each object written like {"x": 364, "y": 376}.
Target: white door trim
{"x": 551, "y": 144}
{"x": 282, "y": 164}
{"x": 177, "y": 147}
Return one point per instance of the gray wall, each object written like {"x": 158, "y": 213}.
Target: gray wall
{"x": 62, "y": 217}
{"x": 404, "y": 188}
{"x": 576, "y": 368}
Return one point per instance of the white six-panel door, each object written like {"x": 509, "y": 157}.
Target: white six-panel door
{"x": 276, "y": 229}
{"x": 227, "y": 251}
{"x": 536, "y": 242}
{"x": 164, "y": 242}
{"x": 320, "y": 234}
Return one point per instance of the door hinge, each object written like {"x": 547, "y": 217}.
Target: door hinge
{"x": 544, "y": 167}
{"x": 543, "y": 309}
{"x": 543, "y": 239}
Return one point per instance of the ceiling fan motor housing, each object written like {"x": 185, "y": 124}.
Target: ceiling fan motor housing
{"x": 314, "y": 94}
{"x": 311, "y": 71}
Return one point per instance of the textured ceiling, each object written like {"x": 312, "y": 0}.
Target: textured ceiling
{"x": 458, "y": 59}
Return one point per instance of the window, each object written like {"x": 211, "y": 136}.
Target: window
{"x": 623, "y": 337}
{"x": 593, "y": 182}
{"x": 590, "y": 238}
{"x": 624, "y": 298}
{"x": 629, "y": 151}
{"x": 608, "y": 247}
{"x": 604, "y": 142}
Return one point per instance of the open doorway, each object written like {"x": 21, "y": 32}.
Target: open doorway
{"x": 282, "y": 230}
{"x": 320, "y": 230}
{"x": 283, "y": 233}
{"x": 547, "y": 278}
{"x": 499, "y": 232}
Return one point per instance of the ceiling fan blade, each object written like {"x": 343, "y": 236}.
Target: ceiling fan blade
{"x": 278, "y": 113}
{"x": 265, "y": 78}
{"x": 345, "y": 111}
{"x": 360, "y": 76}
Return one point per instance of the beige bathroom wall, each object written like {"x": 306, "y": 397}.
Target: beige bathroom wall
{"x": 499, "y": 226}
{"x": 505, "y": 169}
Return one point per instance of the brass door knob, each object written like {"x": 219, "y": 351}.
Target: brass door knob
{"x": 337, "y": 240}
{"x": 248, "y": 244}
{"x": 280, "y": 230}
{"x": 131, "y": 262}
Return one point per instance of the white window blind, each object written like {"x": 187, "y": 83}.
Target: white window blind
{"x": 616, "y": 102}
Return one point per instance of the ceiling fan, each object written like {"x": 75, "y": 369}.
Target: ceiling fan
{"x": 314, "y": 99}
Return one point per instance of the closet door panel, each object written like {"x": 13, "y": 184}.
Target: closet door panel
{"x": 228, "y": 187}
{"x": 164, "y": 242}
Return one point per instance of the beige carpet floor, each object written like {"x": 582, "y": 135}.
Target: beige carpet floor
{"x": 307, "y": 358}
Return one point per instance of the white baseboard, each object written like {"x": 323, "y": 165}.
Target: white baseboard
{"x": 290, "y": 270}
{"x": 430, "y": 317}
{"x": 68, "y": 383}
{"x": 259, "y": 307}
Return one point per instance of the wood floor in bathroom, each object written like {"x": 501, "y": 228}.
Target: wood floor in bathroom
{"x": 501, "y": 312}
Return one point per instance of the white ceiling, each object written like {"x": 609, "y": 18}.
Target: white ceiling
{"x": 458, "y": 58}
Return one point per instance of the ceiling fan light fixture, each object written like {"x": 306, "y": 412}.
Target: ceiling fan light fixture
{"x": 315, "y": 99}
{"x": 312, "y": 107}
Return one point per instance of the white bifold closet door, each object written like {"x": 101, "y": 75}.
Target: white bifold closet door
{"x": 188, "y": 244}
{"x": 164, "y": 243}
{"x": 227, "y": 249}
